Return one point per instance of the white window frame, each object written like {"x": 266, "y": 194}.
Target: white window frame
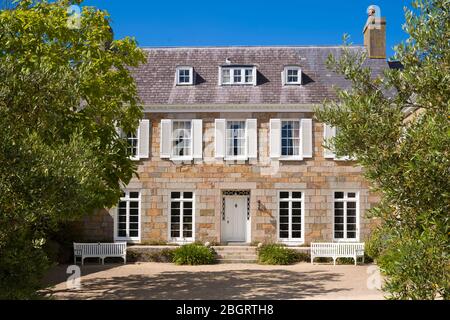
{"x": 299, "y": 75}
{"x": 126, "y": 198}
{"x": 243, "y": 76}
{"x": 124, "y": 136}
{"x": 290, "y": 240}
{"x": 181, "y": 239}
{"x": 185, "y": 157}
{"x": 293, "y": 157}
{"x": 239, "y": 157}
{"x": 357, "y": 213}
{"x": 191, "y": 76}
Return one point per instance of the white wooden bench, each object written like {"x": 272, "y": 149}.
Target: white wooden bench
{"x": 336, "y": 250}
{"x": 99, "y": 250}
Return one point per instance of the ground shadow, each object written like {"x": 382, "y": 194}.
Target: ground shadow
{"x": 230, "y": 284}
{"x": 59, "y": 273}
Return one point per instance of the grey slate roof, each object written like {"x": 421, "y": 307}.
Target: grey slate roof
{"x": 156, "y": 78}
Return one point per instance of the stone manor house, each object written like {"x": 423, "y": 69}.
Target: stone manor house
{"x": 228, "y": 150}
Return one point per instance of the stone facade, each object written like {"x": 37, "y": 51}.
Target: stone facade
{"x": 316, "y": 177}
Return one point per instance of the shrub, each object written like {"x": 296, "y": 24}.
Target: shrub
{"x": 277, "y": 254}
{"x": 193, "y": 254}
{"x": 376, "y": 243}
{"x": 164, "y": 255}
{"x": 22, "y": 265}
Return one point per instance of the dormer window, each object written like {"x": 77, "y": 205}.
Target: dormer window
{"x": 185, "y": 76}
{"x": 292, "y": 75}
{"x": 237, "y": 75}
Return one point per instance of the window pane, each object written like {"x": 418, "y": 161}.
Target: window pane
{"x": 284, "y": 226}
{"x": 225, "y": 75}
{"x": 134, "y": 204}
{"x": 235, "y": 138}
{"x": 296, "y": 234}
{"x": 351, "y": 195}
{"x": 297, "y": 219}
{"x": 175, "y": 195}
{"x": 237, "y": 75}
{"x": 134, "y": 194}
{"x": 187, "y": 234}
{"x": 296, "y": 195}
{"x": 284, "y": 234}
{"x": 132, "y": 142}
{"x": 181, "y": 138}
{"x": 187, "y": 195}
{"x": 339, "y": 205}
{"x": 134, "y": 233}
{"x": 338, "y": 219}
{"x": 134, "y": 226}
{"x": 290, "y": 141}
{"x": 248, "y": 75}
{"x": 296, "y": 204}
{"x": 338, "y": 234}
{"x": 339, "y": 195}
{"x": 184, "y": 75}
{"x": 284, "y": 194}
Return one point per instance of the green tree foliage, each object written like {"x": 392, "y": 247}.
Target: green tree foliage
{"x": 63, "y": 91}
{"x": 407, "y": 160}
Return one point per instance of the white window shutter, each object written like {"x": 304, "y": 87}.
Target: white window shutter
{"x": 144, "y": 138}
{"x": 283, "y": 77}
{"x": 220, "y": 76}
{"x": 165, "y": 145}
{"x": 220, "y": 125}
{"x": 252, "y": 138}
{"x": 328, "y": 133}
{"x": 255, "y": 76}
{"x": 197, "y": 139}
{"x": 306, "y": 138}
{"x": 275, "y": 138}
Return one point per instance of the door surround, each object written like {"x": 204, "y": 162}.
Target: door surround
{"x": 247, "y": 228}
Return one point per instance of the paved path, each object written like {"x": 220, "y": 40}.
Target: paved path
{"x": 221, "y": 281}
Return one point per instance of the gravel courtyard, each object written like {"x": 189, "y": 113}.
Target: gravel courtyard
{"x": 221, "y": 281}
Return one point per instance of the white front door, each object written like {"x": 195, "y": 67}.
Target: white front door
{"x": 234, "y": 222}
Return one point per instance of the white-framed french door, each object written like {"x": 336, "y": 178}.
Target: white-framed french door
{"x": 291, "y": 217}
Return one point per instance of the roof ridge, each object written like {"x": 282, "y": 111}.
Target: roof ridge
{"x": 250, "y": 47}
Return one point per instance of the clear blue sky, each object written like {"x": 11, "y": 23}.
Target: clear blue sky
{"x": 249, "y": 22}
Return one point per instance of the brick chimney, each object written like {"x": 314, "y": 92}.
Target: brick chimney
{"x": 375, "y": 34}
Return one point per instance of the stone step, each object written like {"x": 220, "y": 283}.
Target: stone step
{"x": 234, "y": 248}
{"x": 236, "y": 260}
{"x": 237, "y": 256}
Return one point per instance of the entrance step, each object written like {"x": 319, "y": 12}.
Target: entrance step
{"x": 236, "y": 254}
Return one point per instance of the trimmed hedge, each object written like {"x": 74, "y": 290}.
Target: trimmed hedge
{"x": 193, "y": 254}
{"x": 279, "y": 255}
